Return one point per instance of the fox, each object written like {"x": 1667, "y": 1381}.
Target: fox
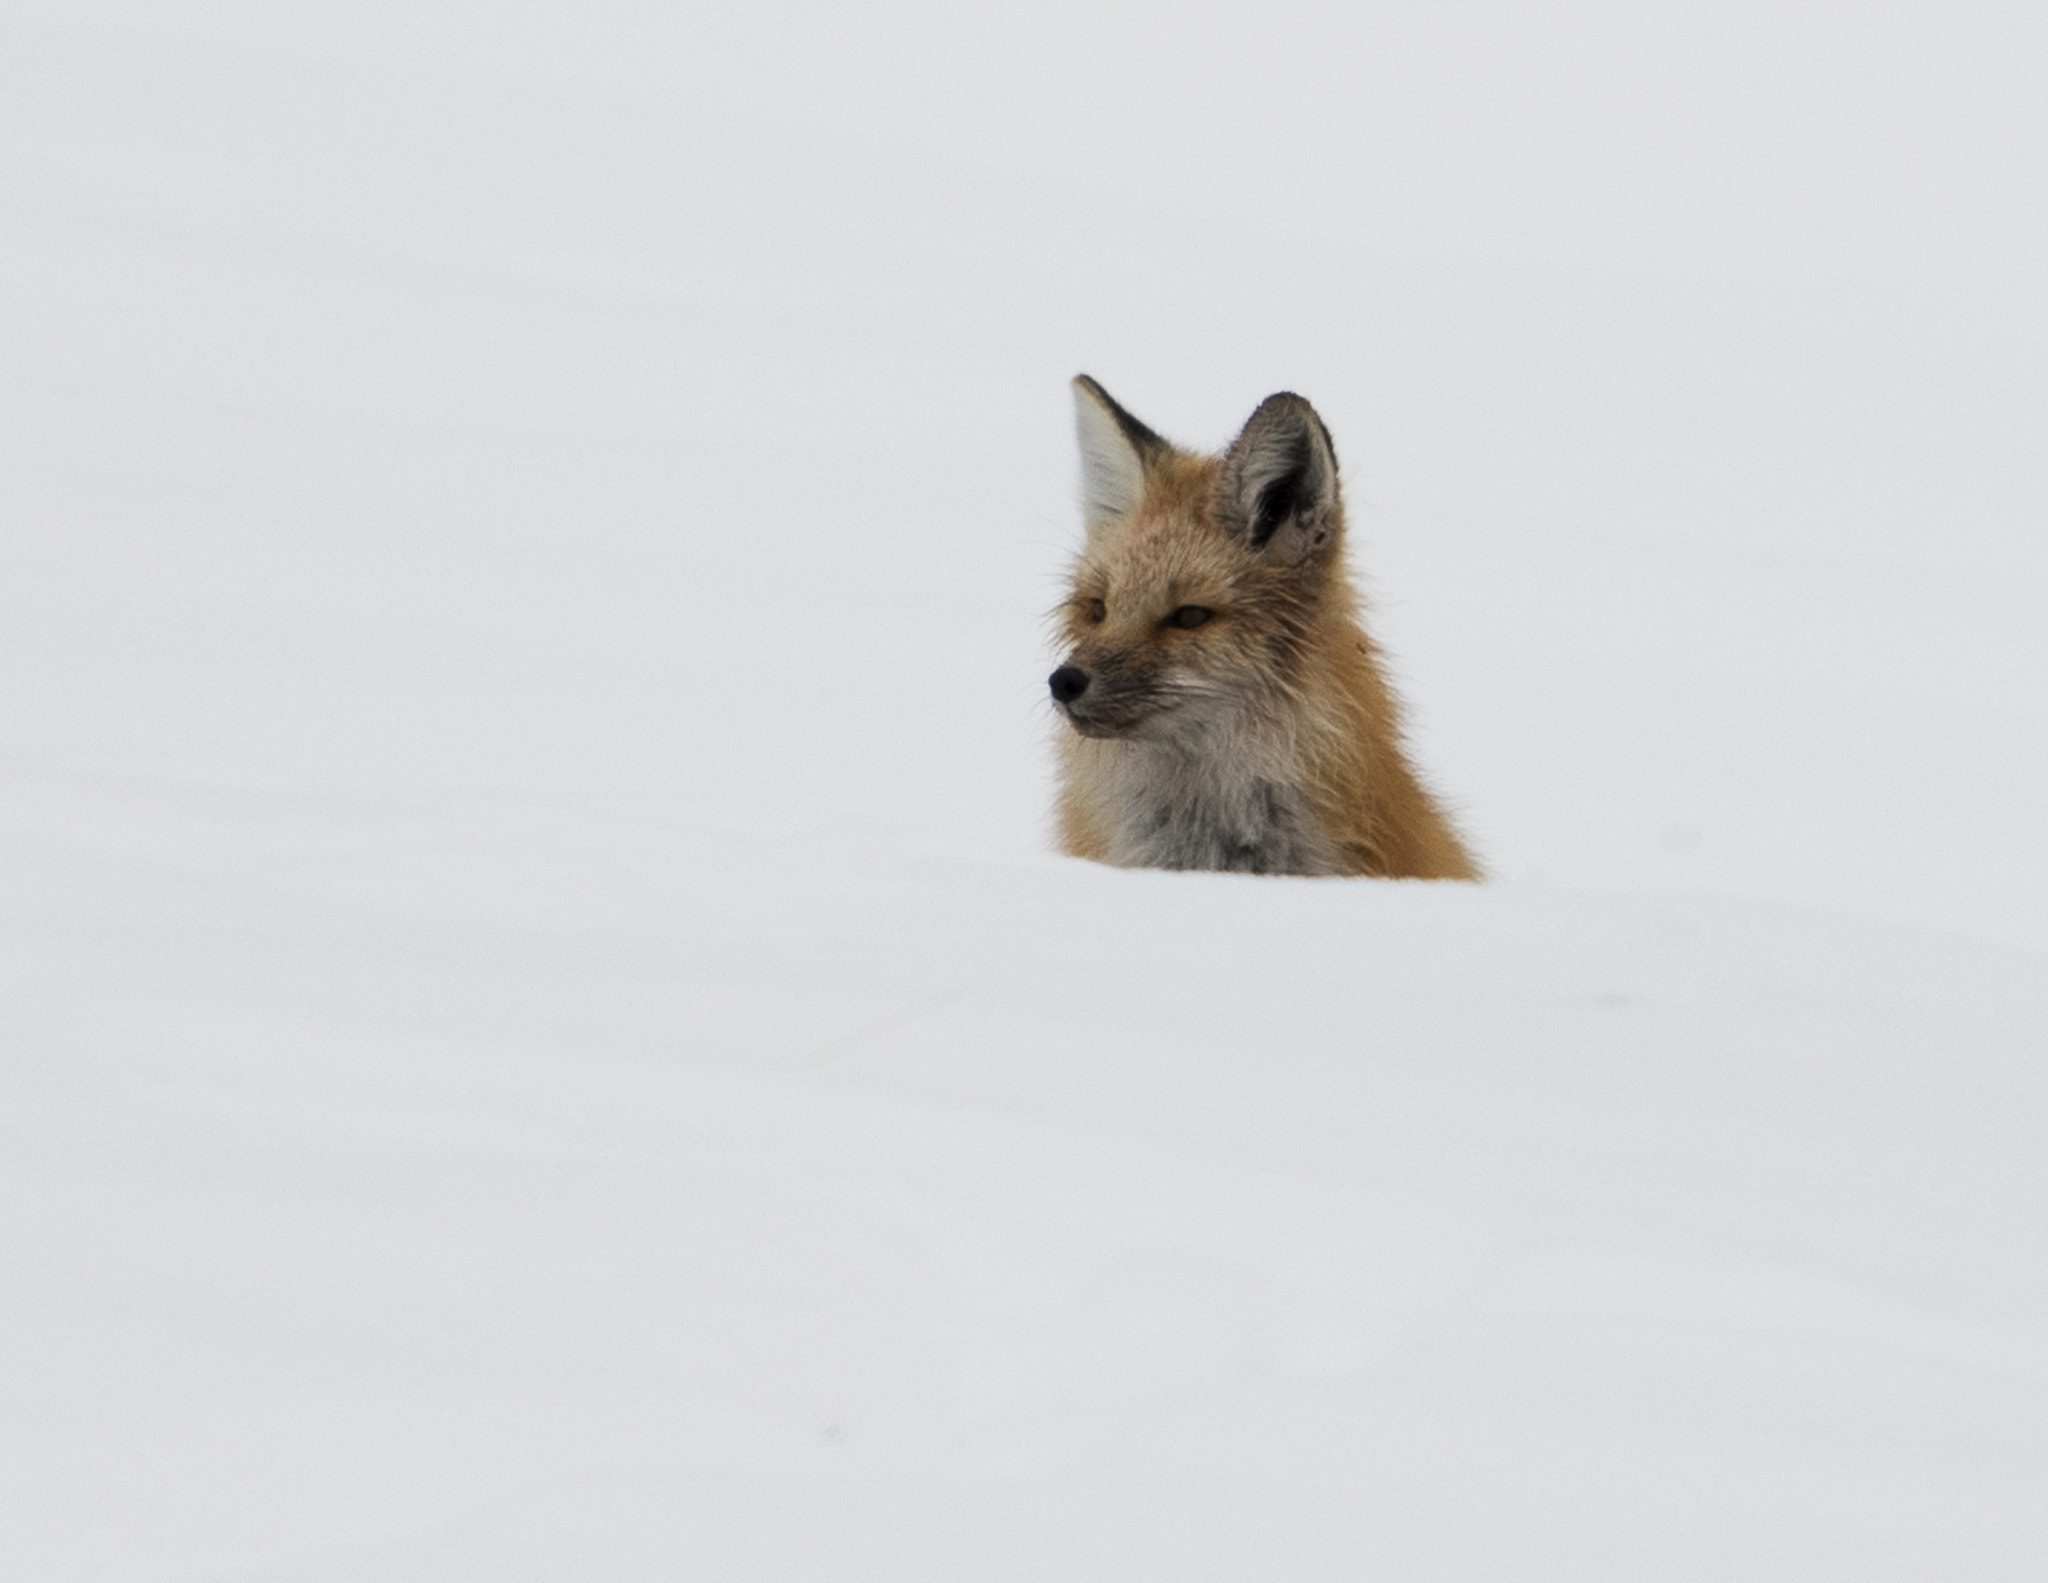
{"x": 1225, "y": 708}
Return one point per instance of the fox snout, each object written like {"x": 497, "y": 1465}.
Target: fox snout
{"x": 1093, "y": 715}
{"x": 1108, "y": 694}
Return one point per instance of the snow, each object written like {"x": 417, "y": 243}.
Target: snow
{"x": 543, "y": 1036}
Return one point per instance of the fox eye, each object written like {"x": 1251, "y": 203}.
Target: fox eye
{"x": 1189, "y": 616}
{"x": 1096, "y": 609}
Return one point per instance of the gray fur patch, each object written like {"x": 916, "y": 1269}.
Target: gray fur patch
{"x": 1194, "y": 812}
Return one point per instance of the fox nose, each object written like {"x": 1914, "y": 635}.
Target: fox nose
{"x": 1068, "y": 683}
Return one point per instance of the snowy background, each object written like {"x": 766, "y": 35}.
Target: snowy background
{"x": 540, "y": 1034}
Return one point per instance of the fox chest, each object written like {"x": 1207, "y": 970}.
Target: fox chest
{"x": 1174, "y": 818}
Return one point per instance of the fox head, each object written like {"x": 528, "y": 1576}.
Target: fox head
{"x": 1204, "y": 580}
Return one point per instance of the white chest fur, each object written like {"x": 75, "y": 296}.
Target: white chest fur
{"x": 1165, "y": 807}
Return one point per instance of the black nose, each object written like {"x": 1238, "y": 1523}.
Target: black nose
{"x": 1068, "y": 683}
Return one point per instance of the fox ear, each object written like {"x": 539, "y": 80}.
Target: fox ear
{"x": 1279, "y": 478}
{"x": 1115, "y": 448}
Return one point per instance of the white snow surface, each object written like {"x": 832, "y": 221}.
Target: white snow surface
{"x": 541, "y": 1035}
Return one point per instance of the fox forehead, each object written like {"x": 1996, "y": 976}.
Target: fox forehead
{"x": 1151, "y": 557}
{"x": 1170, "y": 543}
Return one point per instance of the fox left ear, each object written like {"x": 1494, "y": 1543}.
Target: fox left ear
{"x": 1116, "y": 449}
{"x": 1279, "y": 478}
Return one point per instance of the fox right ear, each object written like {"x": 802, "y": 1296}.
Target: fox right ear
{"x": 1279, "y": 478}
{"x": 1115, "y": 448}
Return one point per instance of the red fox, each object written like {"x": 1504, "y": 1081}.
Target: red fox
{"x": 1228, "y": 710}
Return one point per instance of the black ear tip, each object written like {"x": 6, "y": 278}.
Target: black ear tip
{"x": 1286, "y": 408}
{"x": 1089, "y": 389}
{"x": 1141, "y": 439}
{"x": 1285, "y": 404}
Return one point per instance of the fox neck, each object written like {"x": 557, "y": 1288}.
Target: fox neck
{"x": 1218, "y": 804}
